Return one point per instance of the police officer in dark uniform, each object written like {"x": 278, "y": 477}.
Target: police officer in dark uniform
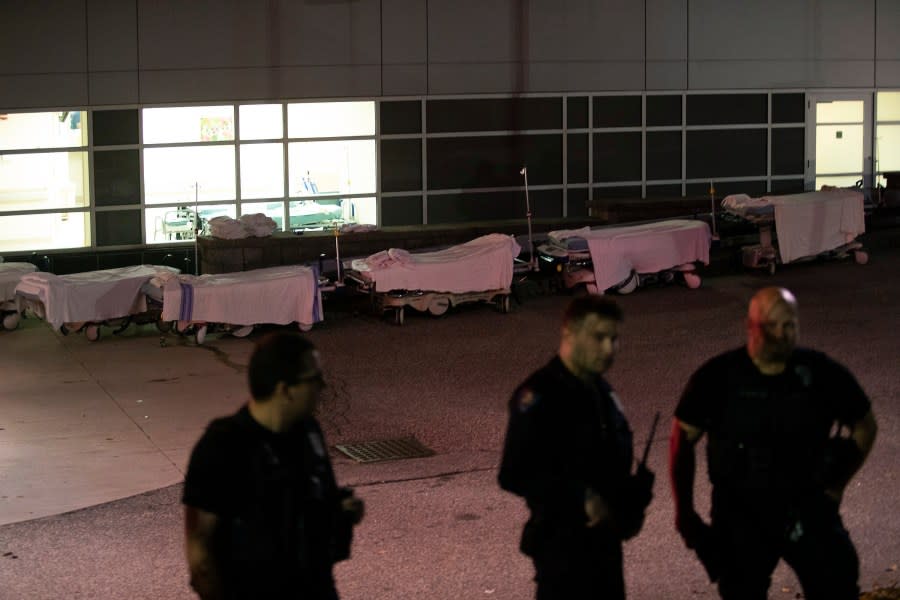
{"x": 264, "y": 517}
{"x": 568, "y": 453}
{"x": 787, "y": 428}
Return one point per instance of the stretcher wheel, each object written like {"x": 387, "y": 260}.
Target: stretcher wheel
{"x": 771, "y": 268}
{"x": 692, "y": 280}
{"x": 163, "y": 326}
{"x": 304, "y": 327}
{"x": 200, "y": 335}
{"x": 242, "y": 332}
{"x": 92, "y": 332}
{"x": 439, "y": 305}
{"x": 504, "y": 304}
{"x": 398, "y": 315}
{"x": 861, "y": 257}
{"x": 11, "y": 321}
{"x": 630, "y": 284}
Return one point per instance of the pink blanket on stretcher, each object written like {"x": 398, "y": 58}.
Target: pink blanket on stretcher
{"x": 646, "y": 248}
{"x": 276, "y": 295}
{"x": 482, "y": 264}
{"x": 10, "y": 275}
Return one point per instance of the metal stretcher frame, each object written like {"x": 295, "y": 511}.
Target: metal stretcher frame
{"x": 435, "y": 303}
{"x": 27, "y": 302}
{"x": 10, "y": 274}
{"x": 765, "y": 254}
{"x": 199, "y": 324}
{"x": 576, "y": 267}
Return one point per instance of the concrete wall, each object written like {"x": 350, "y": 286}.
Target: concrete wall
{"x": 111, "y": 52}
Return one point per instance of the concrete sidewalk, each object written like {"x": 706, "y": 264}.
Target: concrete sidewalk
{"x": 85, "y": 423}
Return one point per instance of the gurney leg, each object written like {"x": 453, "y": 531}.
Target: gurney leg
{"x": 398, "y": 315}
{"x": 200, "y": 334}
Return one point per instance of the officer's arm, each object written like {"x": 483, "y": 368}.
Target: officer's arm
{"x": 682, "y": 470}
{"x": 199, "y": 528}
{"x": 863, "y": 433}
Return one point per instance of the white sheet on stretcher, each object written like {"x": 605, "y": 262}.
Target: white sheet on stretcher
{"x": 646, "y": 248}
{"x": 815, "y": 222}
{"x": 10, "y": 275}
{"x": 482, "y": 264}
{"x": 92, "y": 295}
{"x": 277, "y": 295}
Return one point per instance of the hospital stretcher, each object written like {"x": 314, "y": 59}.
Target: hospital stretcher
{"x": 86, "y": 301}
{"x": 236, "y": 302}
{"x": 480, "y": 270}
{"x": 806, "y": 226}
{"x": 10, "y": 275}
{"x": 623, "y": 258}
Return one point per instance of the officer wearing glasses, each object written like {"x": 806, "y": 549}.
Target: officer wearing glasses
{"x": 264, "y": 517}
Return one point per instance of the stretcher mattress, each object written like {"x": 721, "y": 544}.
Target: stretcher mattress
{"x": 485, "y": 263}
{"x": 10, "y": 275}
{"x": 810, "y": 223}
{"x": 92, "y": 296}
{"x": 276, "y": 295}
{"x": 643, "y": 248}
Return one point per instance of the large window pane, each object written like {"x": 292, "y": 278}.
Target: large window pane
{"x": 327, "y": 213}
{"x": 338, "y": 167}
{"x": 170, "y": 174}
{"x": 261, "y": 122}
{"x": 44, "y": 180}
{"x": 21, "y": 131}
{"x": 45, "y": 231}
{"x": 840, "y": 111}
{"x": 169, "y": 224}
{"x": 887, "y": 148}
{"x": 188, "y": 124}
{"x": 262, "y": 170}
{"x": 331, "y": 119}
{"x": 888, "y": 106}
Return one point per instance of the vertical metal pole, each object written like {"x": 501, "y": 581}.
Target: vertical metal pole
{"x": 532, "y": 263}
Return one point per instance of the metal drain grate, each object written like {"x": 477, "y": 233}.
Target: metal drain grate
{"x": 395, "y": 449}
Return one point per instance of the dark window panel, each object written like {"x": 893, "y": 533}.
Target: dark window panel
{"x": 493, "y": 206}
{"x": 401, "y": 165}
{"x": 727, "y": 109}
{"x": 115, "y": 127}
{"x": 65, "y": 264}
{"x": 663, "y": 110}
{"x": 663, "y": 155}
{"x": 117, "y": 177}
{"x": 577, "y": 113}
{"x": 726, "y": 153}
{"x": 178, "y": 258}
{"x": 725, "y": 188}
{"x": 493, "y": 114}
{"x": 617, "y": 111}
{"x": 787, "y": 186}
{"x": 120, "y": 227}
{"x": 788, "y": 148}
{"x": 788, "y": 108}
{"x": 577, "y": 202}
{"x": 115, "y": 260}
{"x": 401, "y": 117}
{"x": 577, "y": 158}
{"x": 617, "y": 156}
{"x": 403, "y": 210}
{"x": 620, "y": 191}
{"x": 494, "y": 161}
{"x": 664, "y": 191}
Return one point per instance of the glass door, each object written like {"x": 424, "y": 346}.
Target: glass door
{"x": 838, "y": 140}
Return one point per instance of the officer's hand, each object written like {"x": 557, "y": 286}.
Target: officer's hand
{"x": 691, "y": 527}
{"x": 355, "y": 507}
{"x": 596, "y": 509}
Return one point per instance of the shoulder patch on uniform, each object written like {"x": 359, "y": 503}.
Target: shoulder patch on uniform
{"x": 525, "y": 399}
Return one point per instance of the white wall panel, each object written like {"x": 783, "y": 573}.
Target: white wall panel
{"x": 774, "y": 43}
{"x": 404, "y": 80}
{"x": 217, "y": 85}
{"x": 666, "y": 67}
{"x": 887, "y": 43}
{"x": 404, "y": 32}
{"x": 49, "y": 90}
{"x": 666, "y": 74}
{"x": 112, "y": 35}
{"x": 496, "y": 78}
{"x": 42, "y": 36}
{"x": 113, "y": 87}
